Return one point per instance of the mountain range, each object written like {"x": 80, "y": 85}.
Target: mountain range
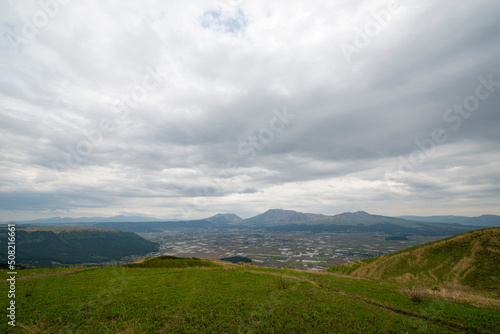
{"x": 276, "y": 217}
{"x": 114, "y": 219}
{"x": 360, "y": 221}
{"x": 280, "y": 217}
{"x": 276, "y": 220}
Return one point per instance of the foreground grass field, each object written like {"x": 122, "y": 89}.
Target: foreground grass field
{"x": 231, "y": 299}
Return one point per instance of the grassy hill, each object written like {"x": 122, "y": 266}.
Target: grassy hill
{"x": 231, "y": 299}
{"x": 470, "y": 259}
{"x": 171, "y": 262}
{"x": 40, "y": 247}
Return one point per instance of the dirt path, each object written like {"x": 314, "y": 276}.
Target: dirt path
{"x": 46, "y": 275}
{"x": 373, "y": 303}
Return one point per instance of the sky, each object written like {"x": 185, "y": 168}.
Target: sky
{"x": 183, "y": 109}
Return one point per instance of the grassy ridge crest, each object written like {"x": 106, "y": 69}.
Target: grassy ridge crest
{"x": 469, "y": 259}
{"x": 166, "y": 261}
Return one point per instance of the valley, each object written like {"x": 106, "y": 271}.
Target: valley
{"x": 276, "y": 238}
{"x": 298, "y": 249}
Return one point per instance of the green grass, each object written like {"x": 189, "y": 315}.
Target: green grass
{"x": 39, "y": 271}
{"x": 216, "y": 299}
{"x": 468, "y": 259}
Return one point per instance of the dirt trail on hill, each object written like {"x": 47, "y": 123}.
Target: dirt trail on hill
{"x": 56, "y": 274}
{"x": 373, "y": 303}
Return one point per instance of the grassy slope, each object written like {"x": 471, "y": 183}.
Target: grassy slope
{"x": 470, "y": 259}
{"x": 232, "y": 299}
{"x": 170, "y": 262}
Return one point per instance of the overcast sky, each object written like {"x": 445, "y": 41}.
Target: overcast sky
{"x": 183, "y": 109}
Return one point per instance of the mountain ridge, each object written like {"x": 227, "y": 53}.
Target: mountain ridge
{"x": 282, "y": 215}
{"x": 70, "y": 220}
{"x": 276, "y": 220}
{"x": 359, "y": 221}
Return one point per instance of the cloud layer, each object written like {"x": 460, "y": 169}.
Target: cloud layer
{"x": 182, "y": 110}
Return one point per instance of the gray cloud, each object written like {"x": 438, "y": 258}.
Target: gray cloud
{"x": 192, "y": 93}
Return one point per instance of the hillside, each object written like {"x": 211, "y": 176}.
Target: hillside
{"x": 470, "y": 259}
{"x": 43, "y": 246}
{"x": 171, "y": 262}
{"x": 185, "y": 295}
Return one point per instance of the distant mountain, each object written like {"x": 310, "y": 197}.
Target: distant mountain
{"x": 130, "y": 219}
{"x": 220, "y": 220}
{"x": 364, "y": 218}
{"x": 227, "y": 218}
{"x": 274, "y": 219}
{"x": 484, "y": 220}
{"x": 114, "y": 219}
{"x": 280, "y": 217}
{"x": 469, "y": 259}
{"x": 360, "y": 221}
{"x": 277, "y": 217}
